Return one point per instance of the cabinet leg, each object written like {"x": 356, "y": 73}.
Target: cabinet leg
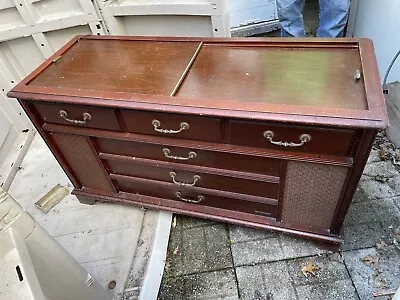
{"x": 86, "y": 200}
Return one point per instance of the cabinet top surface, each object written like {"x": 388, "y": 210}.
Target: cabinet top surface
{"x": 248, "y": 77}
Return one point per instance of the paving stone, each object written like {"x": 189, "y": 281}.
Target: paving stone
{"x": 198, "y": 250}
{"x": 270, "y": 281}
{"x": 384, "y": 168}
{"x": 363, "y": 235}
{"x": 386, "y": 211}
{"x": 172, "y": 288}
{"x": 396, "y": 201}
{"x": 218, "y": 247}
{"x": 375, "y": 190}
{"x": 373, "y": 156}
{"x": 380, "y": 210}
{"x": 254, "y": 252}
{"x": 338, "y": 290}
{"x": 359, "y": 195}
{"x": 330, "y": 270}
{"x": 251, "y": 282}
{"x": 211, "y": 285}
{"x": 362, "y": 275}
{"x": 187, "y": 222}
{"x": 394, "y": 184}
{"x": 294, "y": 247}
{"x": 360, "y": 212}
{"x": 244, "y": 234}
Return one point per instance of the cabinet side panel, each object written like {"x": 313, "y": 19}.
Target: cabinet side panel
{"x": 311, "y": 193}
{"x": 83, "y": 162}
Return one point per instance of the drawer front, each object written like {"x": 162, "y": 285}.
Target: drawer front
{"x": 192, "y": 197}
{"x": 291, "y": 138}
{"x": 195, "y": 179}
{"x": 172, "y": 125}
{"x": 78, "y": 115}
{"x": 221, "y": 160}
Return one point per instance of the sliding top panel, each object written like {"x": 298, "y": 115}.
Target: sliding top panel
{"x": 331, "y": 82}
{"x": 140, "y": 67}
{"x": 301, "y": 76}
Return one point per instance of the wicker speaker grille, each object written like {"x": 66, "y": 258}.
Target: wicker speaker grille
{"x": 311, "y": 193}
{"x": 82, "y": 160}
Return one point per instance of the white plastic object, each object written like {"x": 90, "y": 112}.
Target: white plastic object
{"x": 34, "y": 265}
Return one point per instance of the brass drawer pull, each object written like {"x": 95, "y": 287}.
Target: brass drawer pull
{"x": 86, "y": 117}
{"x": 156, "y": 124}
{"x": 196, "y": 178}
{"x": 167, "y": 154}
{"x": 199, "y": 198}
{"x": 304, "y": 138}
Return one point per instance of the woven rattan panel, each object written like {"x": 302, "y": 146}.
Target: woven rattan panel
{"x": 82, "y": 160}
{"x": 311, "y": 193}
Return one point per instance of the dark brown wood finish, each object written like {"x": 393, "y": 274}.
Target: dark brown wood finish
{"x": 227, "y": 93}
{"x": 322, "y": 140}
{"x": 191, "y": 156}
{"x": 223, "y": 148}
{"x": 50, "y": 113}
{"x": 199, "y": 128}
{"x": 169, "y": 191}
{"x": 37, "y": 121}
{"x": 292, "y": 76}
{"x": 161, "y": 172}
{"x": 373, "y": 117}
{"x": 143, "y": 67}
{"x": 352, "y": 181}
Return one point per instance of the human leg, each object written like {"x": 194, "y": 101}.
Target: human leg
{"x": 333, "y": 16}
{"x": 290, "y": 13}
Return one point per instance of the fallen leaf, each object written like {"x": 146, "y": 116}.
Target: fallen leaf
{"x": 167, "y": 265}
{"x": 309, "y": 268}
{"x": 381, "y": 245}
{"x": 381, "y": 178}
{"x": 175, "y": 252}
{"x": 174, "y": 222}
{"x": 371, "y": 261}
{"x": 383, "y": 154}
{"x": 379, "y": 282}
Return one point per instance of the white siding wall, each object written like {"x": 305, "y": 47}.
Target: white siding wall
{"x": 379, "y": 21}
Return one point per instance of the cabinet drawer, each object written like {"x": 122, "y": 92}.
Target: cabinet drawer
{"x": 173, "y": 125}
{"x": 183, "y": 178}
{"x": 291, "y": 138}
{"x": 189, "y": 156}
{"x": 193, "y": 197}
{"x": 78, "y": 115}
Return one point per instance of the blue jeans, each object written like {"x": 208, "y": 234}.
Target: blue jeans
{"x": 333, "y": 15}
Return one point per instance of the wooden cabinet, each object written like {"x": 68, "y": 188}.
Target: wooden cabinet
{"x": 268, "y": 133}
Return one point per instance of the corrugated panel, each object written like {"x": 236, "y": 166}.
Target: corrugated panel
{"x": 30, "y": 31}
{"x": 184, "y": 17}
{"x": 244, "y": 13}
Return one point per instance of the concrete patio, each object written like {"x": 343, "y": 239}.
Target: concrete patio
{"x": 209, "y": 260}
